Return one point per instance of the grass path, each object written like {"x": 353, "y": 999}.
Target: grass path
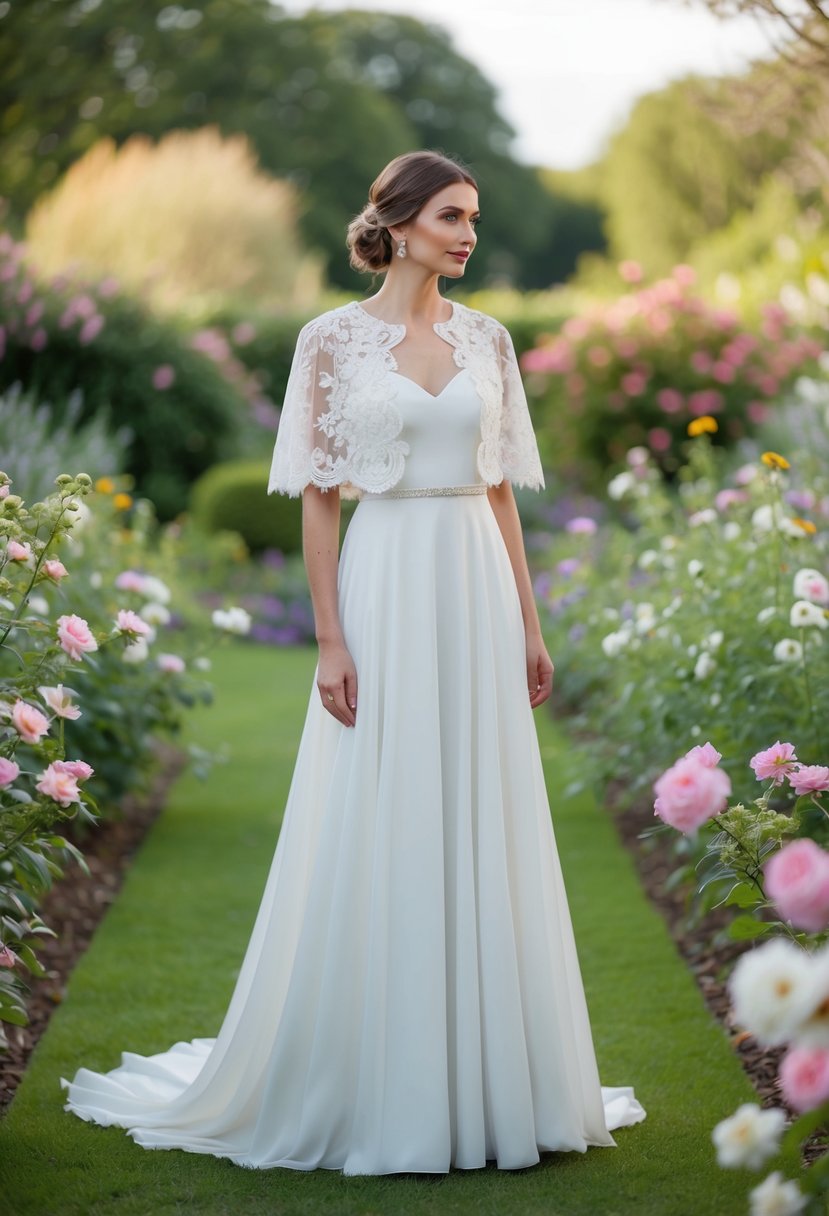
{"x": 161, "y": 968}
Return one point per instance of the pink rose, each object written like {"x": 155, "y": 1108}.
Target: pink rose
{"x": 797, "y": 882}
{"x": 60, "y": 702}
{"x": 776, "y": 762}
{"x": 804, "y": 1077}
{"x": 130, "y": 580}
{"x": 670, "y": 401}
{"x": 9, "y": 771}
{"x": 19, "y": 552}
{"x": 706, "y": 753}
{"x": 7, "y": 957}
{"x": 630, "y": 271}
{"x": 809, "y": 779}
{"x": 54, "y": 569}
{"x": 59, "y": 785}
{"x": 75, "y": 636}
{"x": 690, "y": 793}
{"x": 164, "y": 376}
{"x": 29, "y": 722}
{"x": 78, "y": 769}
{"x": 171, "y": 663}
{"x": 128, "y": 621}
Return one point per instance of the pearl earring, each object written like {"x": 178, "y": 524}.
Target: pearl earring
{"x": 401, "y": 248}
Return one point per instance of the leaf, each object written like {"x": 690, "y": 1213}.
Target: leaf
{"x": 742, "y": 928}
{"x": 743, "y": 894}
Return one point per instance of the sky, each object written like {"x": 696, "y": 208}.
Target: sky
{"x": 568, "y": 71}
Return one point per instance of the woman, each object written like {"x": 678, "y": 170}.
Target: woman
{"x": 410, "y": 999}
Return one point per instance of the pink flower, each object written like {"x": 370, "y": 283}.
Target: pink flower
{"x": 243, "y": 333}
{"x": 777, "y": 761}
{"x": 599, "y": 356}
{"x": 723, "y": 372}
{"x": 78, "y": 769}
{"x": 728, "y": 497}
{"x": 171, "y": 663}
{"x": 128, "y": 621}
{"x": 59, "y": 785}
{"x": 804, "y": 1077}
{"x": 39, "y": 339}
{"x": 59, "y": 701}
{"x": 164, "y": 376}
{"x": 757, "y": 411}
{"x": 706, "y": 753}
{"x": 9, "y": 771}
{"x": 7, "y": 957}
{"x": 130, "y": 580}
{"x": 29, "y": 722}
{"x": 90, "y": 329}
{"x": 54, "y": 569}
{"x": 797, "y": 882}
{"x": 690, "y": 793}
{"x": 685, "y": 275}
{"x": 581, "y": 523}
{"x": 634, "y": 384}
{"x": 19, "y": 552}
{"x": 809, "y": 779}
{"x": 701, "y": 362}
{"x": 5, "y": 490}
{"x": 630, "y": 271}
{"x": 75, "y": 636}
{"x": 659, "y": 439}
{"x": 670, "y": 400}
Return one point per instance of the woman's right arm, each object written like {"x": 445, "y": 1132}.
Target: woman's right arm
{"x": 337, "y": 674}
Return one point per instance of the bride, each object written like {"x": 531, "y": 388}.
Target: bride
{"x": 410, "y": 999}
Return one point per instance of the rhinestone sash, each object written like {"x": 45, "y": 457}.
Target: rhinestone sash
{"x": 428, "y": 491}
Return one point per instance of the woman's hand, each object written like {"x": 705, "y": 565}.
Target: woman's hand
{"x": 337, "y": 678}
{"x": 539, "y": 670}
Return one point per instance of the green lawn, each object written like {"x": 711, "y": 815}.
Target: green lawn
{"x": 161, "y": 968}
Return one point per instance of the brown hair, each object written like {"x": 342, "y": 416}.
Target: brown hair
{"x": 396, "y": 195}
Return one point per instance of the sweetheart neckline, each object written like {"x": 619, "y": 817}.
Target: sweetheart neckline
{"x": 434, "y": 396}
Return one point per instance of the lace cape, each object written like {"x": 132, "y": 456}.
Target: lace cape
{"x": 340, "y": 426}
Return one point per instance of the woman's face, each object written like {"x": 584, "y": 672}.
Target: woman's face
{"x": 442, "y": 235}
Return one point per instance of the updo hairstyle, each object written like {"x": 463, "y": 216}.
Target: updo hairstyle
{"x": 396, "y": 195}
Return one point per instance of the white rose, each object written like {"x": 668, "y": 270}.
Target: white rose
{"x": 155, "y": 614}
{"x": 614, "y": 643}
{"x": 704, "y": 665}
{"x": 668, "y": 542}
{"x": 811, "y": 585}
{"x": 771, "y": 989}
{"x": 695, "y": 567}
{"x": 136, "y": 652}
{"x": 765, "y": 614}
{"x": 706, "y": 516}
{"x": 647, "y": 558}
{"x": 155, "y": 589}
{"x": 748, "y": 1137}
{"x": 619, "y": 485}
{"x": 714, "y": 640}
{"x": 234, "y": 620}
{"x": 805, "y": 614}
{"x": 777, "y": 1197}
{"x": 788, "y": 650}
{"x": 731, "y": 530}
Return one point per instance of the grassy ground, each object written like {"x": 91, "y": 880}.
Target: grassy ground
{"x": 161, "y": 968}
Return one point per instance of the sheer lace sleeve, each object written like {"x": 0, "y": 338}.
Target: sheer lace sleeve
{"x": 517, "y": 448}
{"x": 308, "y": 450}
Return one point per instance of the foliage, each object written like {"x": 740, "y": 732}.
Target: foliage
{"x": 135, "y": 369}
{"x": 636, "y": 370}
{"x": 678, "y": 620}
{"x": 185, "y": 221}
{"x": 232, "y": 497}
{"x": 42, "y": 448}
{"x": 56, "y": 737}
{"x": 325, "y": 99}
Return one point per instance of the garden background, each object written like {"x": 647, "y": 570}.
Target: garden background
{"x": 175, "y": 189}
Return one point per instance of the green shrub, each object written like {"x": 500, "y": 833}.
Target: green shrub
{"x": 232, "y": 496}
{"x": 140, "y": 370}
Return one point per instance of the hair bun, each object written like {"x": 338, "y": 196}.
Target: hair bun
{"x": 368, "y": 241}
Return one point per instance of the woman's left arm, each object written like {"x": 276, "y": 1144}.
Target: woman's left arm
{"x": 539, "y": 665}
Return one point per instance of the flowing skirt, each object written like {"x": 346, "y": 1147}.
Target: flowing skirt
{"x": 410, "y": 998}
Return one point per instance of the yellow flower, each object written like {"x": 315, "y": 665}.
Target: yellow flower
{"x": 806, "y": 525}
{"x": 698, "y": 426}
{"x": 774, "y": 461}
{"x": 105, "y": 485}
{"x": 122, "y": 502}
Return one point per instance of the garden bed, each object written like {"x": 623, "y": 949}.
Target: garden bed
{"x": 75, "y": 905}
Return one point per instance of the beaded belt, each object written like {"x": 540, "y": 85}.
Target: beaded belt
{"x": 428, "y": 491}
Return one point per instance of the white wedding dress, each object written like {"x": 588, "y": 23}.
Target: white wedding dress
{"x": 410, "y": 998}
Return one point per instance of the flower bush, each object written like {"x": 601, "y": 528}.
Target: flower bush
{"x": 98, "y": 656}
{"x": 702, "y": 610}
{"x": 779, "y": 990}
{"x": 636, "y": 371}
